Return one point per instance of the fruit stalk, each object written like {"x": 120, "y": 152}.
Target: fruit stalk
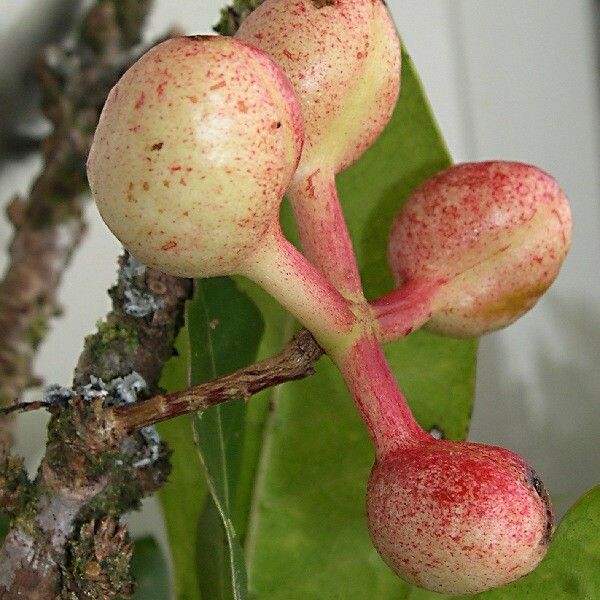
{"x": 321, "y": 225}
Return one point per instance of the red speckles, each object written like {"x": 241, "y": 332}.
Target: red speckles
{"x": 140, "y": 101}
{"x": 135, "y": 128}
{"x": 160, "y": 88}
{"x": 310, "y": 185}
{"x": 234, "y": 173}
{"x": 476, "y": 225}
{"x": 463, "y": 517}
{"x": 318, "y": 48}
{"x": 170, "y": 245}
{"x": 130, "y": 196}
{"x": 289, "y": 55}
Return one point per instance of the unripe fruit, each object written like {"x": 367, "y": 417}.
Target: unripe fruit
{"x": 492, "y": 236}
{"x": 343, "y": 59}
{"x": 194, "y": 149}
{"x": 456, "y": 517}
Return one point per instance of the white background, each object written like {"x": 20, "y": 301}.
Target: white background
{"x": 515, "y": 79}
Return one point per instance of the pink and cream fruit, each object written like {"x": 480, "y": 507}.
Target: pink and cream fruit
{"x": 486, "y": 239}
{"x": 343, "y": 59}
{"x": 458, "y": 518}
{"x": 194, "y": 149}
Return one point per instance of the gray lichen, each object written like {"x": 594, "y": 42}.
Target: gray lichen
{"x": 57, "y": 395}
{"x": 153, "y": 448}
{"x": 138, "y": 301}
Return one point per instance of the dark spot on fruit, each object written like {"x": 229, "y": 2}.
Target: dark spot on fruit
{"x": 538, "y": 486}
{"x": 157, "y": 146}
{"x": 323, "y": 3}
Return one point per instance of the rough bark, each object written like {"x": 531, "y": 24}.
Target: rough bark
{"x": 88, "y": 471}
{"x": 48, "y": 224}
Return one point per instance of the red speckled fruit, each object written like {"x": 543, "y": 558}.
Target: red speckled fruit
{"x": 494, "y": 233}
{"x": 343, "y": 59}
{"x": 194, "y": 149}
{"x": 458, "y": 518}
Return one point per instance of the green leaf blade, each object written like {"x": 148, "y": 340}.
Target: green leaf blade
{"x": 149, "y": 570}
{"x": 184, "y": 494}
{"x": 224, "y": 329}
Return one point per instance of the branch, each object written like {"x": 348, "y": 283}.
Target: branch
{"x": 88, "y": 471}
{"x": 295, "y": 361}
{"x": 48, "y": 225}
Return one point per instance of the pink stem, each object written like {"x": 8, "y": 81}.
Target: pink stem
{"x": 404, "y": 309}
{"x": 326, "y": 241}
{"x": 376, "y": 393}
{"x": 323, "y": 232}
{"x": 345, "y": 333}
{"x": 289, "y": 277}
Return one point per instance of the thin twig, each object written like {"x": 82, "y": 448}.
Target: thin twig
{"x": 295, "y": 361}
{"x": 23, "y": 407}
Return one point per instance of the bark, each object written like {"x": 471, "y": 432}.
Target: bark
{"x": 90, "y": 470}
{"x": 48, "y": 224}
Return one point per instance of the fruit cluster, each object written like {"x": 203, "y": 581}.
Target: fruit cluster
{"x": 197, "y": 144}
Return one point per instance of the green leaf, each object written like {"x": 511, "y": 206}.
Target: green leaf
{"x": 150, "y": 571}
{"x": 182, "y": 498}
{"x": 307, "y": 537}
{"x": 224, "y": 329}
